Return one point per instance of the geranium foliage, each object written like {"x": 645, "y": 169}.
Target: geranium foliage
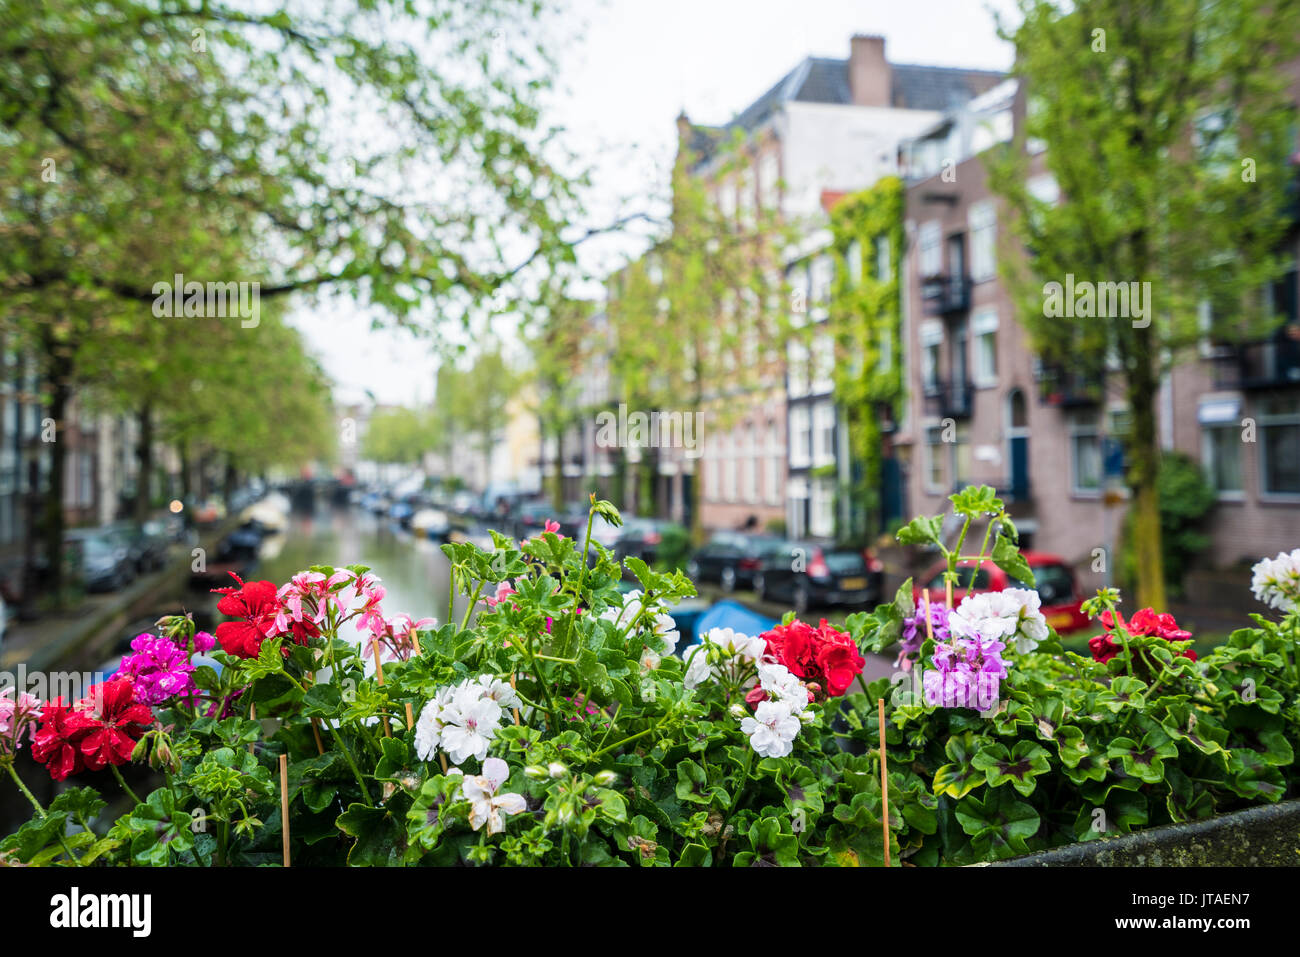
{"x": 558, "y": 722}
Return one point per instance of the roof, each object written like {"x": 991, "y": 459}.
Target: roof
{"x": 826, "y": 80}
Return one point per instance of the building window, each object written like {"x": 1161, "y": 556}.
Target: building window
{"x": 797, "y": 357}
{"x": 798, "y": 279}
{"x": 1279, "y": 447}
{"x": 821, "y": 274}
{"x": 934, "y": 453}
{"x": 853, "y": 262}
{"x": 982, "y": 220}
{"x": 931, "y": 344}
{"x": 822, "y": 362}
{"x": 731, "y": 453}
{"x": 800, "y": 437}
{"x": 1085, "y": 457}
{"x": 821, "y": 509}
{"x": 751, "y": 464}
{"x": 883, "y": 267}
{"x": 930, "y": 258}
{"x": 775, "y": 454}
{"x": 1221, "y": 454}
{"x": 984, "y": 327}
{"x": 823, "y": 433}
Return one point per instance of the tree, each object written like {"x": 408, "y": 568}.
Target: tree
{"x": 1167, "y": 128}
{"x": 296, "y": 147}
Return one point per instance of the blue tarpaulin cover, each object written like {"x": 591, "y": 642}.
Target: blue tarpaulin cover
{"x": 730, "y": 614}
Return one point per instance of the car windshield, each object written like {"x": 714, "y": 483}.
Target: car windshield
{"x": 845, "y": 563}
{"x": 1054, "y": 583}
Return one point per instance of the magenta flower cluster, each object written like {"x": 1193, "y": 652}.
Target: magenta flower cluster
{"x": 160, "y": 669}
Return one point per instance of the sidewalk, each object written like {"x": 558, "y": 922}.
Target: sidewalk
{"x": 56, "y": 637}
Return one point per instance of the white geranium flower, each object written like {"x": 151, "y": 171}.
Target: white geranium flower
{"x": 734, "y": 644}
{"x": 428, "y": 728}
{"x": 666, "y": 628}
{"x": 499, "y": 691}
{"x": 1276, "y": 581}
{"x": 470, "y": 725}
{"x": 649, "y": 660}
{"x": 772, "y": 729}
{"x": 698, "y": 669}
{"x": 486, "y": 806}
{"x": 1007, "y": 615}
{"x": 781, "y": 685}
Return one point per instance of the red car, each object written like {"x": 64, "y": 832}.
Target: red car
{"x": 1053, "y": 580}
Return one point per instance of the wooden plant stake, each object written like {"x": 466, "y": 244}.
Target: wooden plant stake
{"x": 379, "y": 673}
{"x": 929, "y": 626}
{"x": 252, "y": 716}
{"x": 884, "y": 779}
{"x": 410, "y": 717}
{"x": 284, "y": 805}
{"x": 512, "y": 687}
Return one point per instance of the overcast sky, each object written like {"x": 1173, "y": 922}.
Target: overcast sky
{"x": 620, "y": 88}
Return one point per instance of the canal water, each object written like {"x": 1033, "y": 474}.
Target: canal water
{"x": 413, "y": 569}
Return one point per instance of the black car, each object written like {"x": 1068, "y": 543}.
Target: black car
{"x": 145, "y": 542}
{"x": 809, "y": 574}
{"x": 732, "y": 559}
{"x": 104, "y": 557}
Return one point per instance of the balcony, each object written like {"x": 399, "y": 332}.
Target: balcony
{"x": 949, "y": 400}
{"x": 945, "y": 295}
{"x": 1070, "y": 388}
{"x": 1272, "y": 364}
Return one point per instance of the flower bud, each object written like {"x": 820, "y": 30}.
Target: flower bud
{"x": 807, "y": 717}
{"x": 535, "y": 771}
{"x": 605, "y": 778}
{"x": 557, "y": 770}
{"x": 738, "y": 711}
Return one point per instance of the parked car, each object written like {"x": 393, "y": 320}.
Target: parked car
{"x": 146, "y": 543}
{"x": 731, "y": 559}
{"x": 809, "y": 574}
{"x": 105, "y": 558}
{"x": 1054, "y": 580}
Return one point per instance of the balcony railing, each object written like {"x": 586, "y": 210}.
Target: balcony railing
{"x": 949, "y": 400}
{"x": 1272, "y": 364}
{"x": 945, "y": 295}
{"x": 1069, "y": 387}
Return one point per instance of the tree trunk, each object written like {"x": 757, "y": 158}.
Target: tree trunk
{"x": 144, "y": 457}
{"x": 1144, "y": 468}
{"x": 52, "y": 520}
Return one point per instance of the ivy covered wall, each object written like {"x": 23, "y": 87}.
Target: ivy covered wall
{"x": 865, "y": 319}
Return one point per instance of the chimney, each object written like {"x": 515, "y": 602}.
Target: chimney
{"x": 868, "y": 71}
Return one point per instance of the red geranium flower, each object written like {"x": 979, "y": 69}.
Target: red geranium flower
{"x": 55, "y": 744}
{"x": 1146, "y": 623}
{"x": 1103, "y": 649}
{"x": 821, "y": 656}
{"x": 113, "y": 722}
{"x": 102, "y": 728}
{"x": 256, "y": 605}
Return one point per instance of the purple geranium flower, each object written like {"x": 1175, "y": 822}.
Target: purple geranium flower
{"x": 914, "y": 632}
{"x": 159, "y": 669}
